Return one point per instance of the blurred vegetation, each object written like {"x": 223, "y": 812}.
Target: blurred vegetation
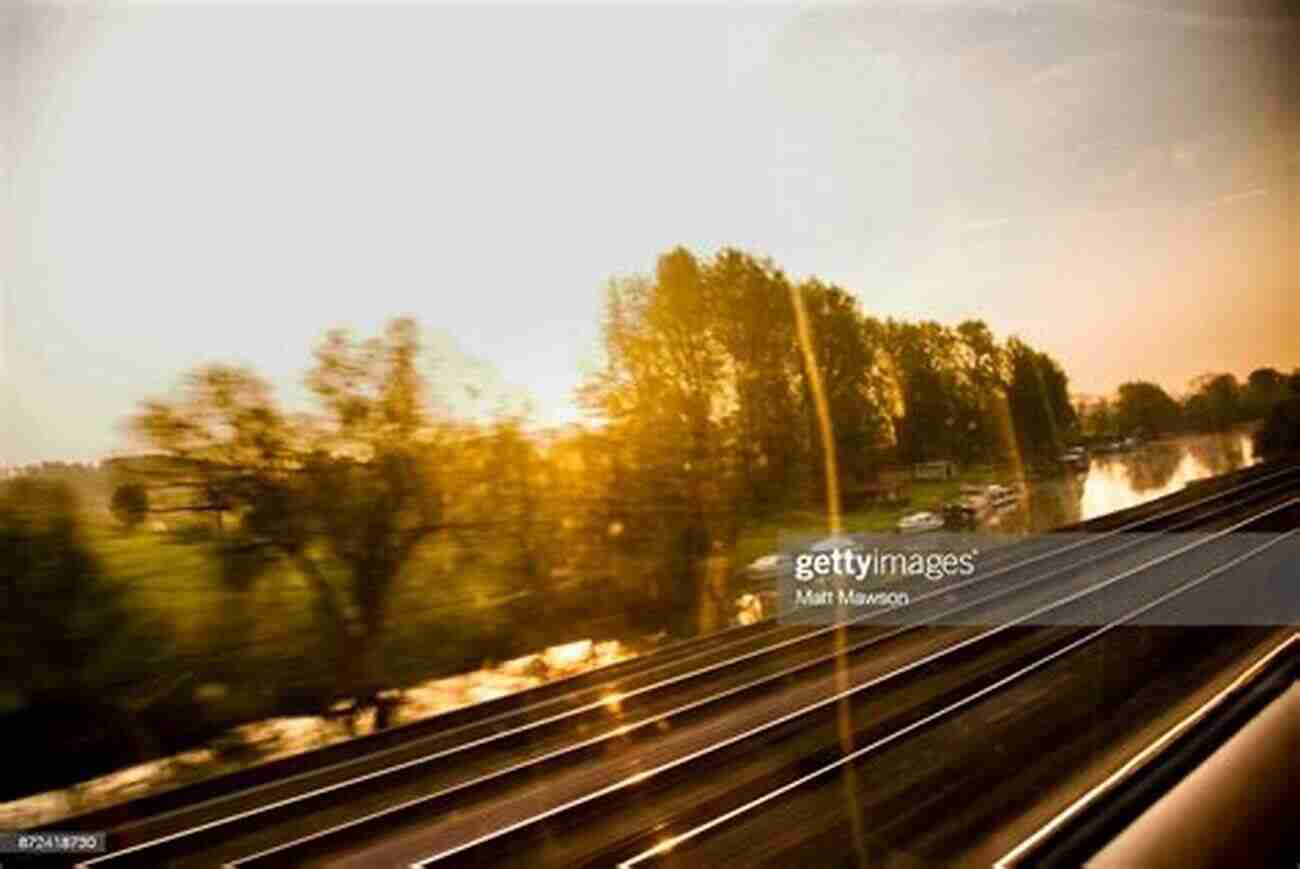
{"x": 1214, "y": 403}
{"x": 76, "y": 666}
{"x": 130, "y": 505}
{"x": 1280, "y": 434}
{"x": 276, "y": 562}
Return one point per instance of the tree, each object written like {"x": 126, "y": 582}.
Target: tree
{"x": 755, "y": 327}
{"x": 70, "y": 650}
{"x": 1147, "y": 409}
{"x": 130, "y": 504}
{"x": 1264, "y": 388}
{"x": 345, "y": 496}
{"x": 923, "y": 363}
{"x": 52, "y": 590}
{"x": 846, "y": 353}
{"x": 1098, "y": 418}
{"x": 513, "y": 491}
{"x": 667, "y": 396}
{"x": 1280, "y": 434}
{"x": 1039, "y": 400}
{"x": 1215, "y": 403}
{"x": 985, "y": 377}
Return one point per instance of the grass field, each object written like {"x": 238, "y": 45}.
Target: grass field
{"x": 766, "y": 536}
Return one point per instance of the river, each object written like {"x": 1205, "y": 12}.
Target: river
{"x": 1121, "y": 480}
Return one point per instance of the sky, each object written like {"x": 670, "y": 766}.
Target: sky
{"x": 187, "y": 182}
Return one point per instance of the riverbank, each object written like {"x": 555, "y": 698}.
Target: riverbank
{"x": 1111, "y": 482}
{"x": 266, "y": 740}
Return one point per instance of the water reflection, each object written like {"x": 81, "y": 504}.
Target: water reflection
{"x": 1110, "y": 483}
{"x": 1116, "y": 482}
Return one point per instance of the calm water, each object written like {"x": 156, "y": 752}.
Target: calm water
{"x": 1114, "y": 482}
{"x": 1111, "y": 482}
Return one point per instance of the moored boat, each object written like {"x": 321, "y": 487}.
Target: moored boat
{"x": 917, "y": 523}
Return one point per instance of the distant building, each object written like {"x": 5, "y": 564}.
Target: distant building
{"x": 941, "y": 470}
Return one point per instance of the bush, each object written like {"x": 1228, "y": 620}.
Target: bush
{"x": 69, "y": 651}
{"x": 130, "y": 504}
{"x": 1281, "y": 434}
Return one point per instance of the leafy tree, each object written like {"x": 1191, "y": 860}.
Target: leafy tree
{"x": 70, "y": 648}
{"x": 60, "y": 614}
{"x": 755, "y": 327}
{"x": 846, "y": 353}
{"x": 985, "y": 372}
{"x": 922, "y": 357}
{"x": 514, "y": 493}
{"x": 344, "y": 496}
{"x": 1264, "y": 388}
{"x": 1098, "y": 418}
{"x": 130, "y": 504}
{"x": 1215, "y": 403}
{"x": 1039, "y": 400}
{"x": 1146, "y": 408}
{"x": 1280, "y": 434}
{"x": 665, "y": 393}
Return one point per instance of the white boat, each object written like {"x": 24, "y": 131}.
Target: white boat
{"x": 917, "y": 523}
{"x": 768, "y": 565}
{"x": 972, "y": 497}
{"x": 840, "y": 542}
{"x": 1076, "y": 457}
{"x": 1001, "y": 496}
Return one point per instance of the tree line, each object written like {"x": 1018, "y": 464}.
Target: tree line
{"x": 706, "y": 407}
{"x": 728, "y": 394}
{"x": 706, "y": 411}
{"x": 1213, "y": 403}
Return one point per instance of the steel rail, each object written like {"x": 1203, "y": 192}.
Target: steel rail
{"x": 600, "y": 703}
{"x": 394, "y": 813}
{"x": 672, "y": 843}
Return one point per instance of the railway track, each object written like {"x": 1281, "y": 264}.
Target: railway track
{"x": 640, "y": 808}
{"x": 591, "y": 719}
{"x": 1087, "y": 824}
{"x": 903, "y": 813}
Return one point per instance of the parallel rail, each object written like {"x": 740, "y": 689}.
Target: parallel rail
{"x": 371, "y": 826}
{"x": 482, "y": 729}
{"x": 1086, "y": 825}
{"x": 134, "y": 820}
{"x": 657, "y": 851}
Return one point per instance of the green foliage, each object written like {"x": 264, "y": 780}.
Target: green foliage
{"x": 924, "y": 361}
{"x": 1144, "y": 408}
{"x": 1099, "y": 419}
{"x": 1216, "y": 403}
{"x": 707, "y": 390}
{"x": 1281, "y": 433}
{"x": 849, "y": 353}
{"x": 130, "y": 504}
{"x": 344, "y": 497}
{"x": 66, "y": 632}
{"x": 1038, "y": 395}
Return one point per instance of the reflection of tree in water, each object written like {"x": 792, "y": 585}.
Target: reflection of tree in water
{"x": 1046, "y": 505}
{"x": 1219, "y": 454}
{"x": 1056, "y": 505}
{"x": 1153, "y": 467}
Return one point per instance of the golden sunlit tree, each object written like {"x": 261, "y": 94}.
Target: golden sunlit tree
{"x": 344, "y": 495}
{"x": 664, "y": 396}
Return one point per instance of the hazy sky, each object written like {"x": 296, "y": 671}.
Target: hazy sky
{"x": 190, "y": 182}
